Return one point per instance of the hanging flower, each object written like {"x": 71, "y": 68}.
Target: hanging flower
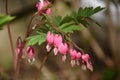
{"x": 41, "y": 5}
{"x": 19, "y": 46}
{"x": 30, "y": 52}
{"x": 57, "y": 42}
{"x": 86, "y": 63}
{"x": 49, "y": 39}
{"x": 63, "y": 48}
{"x": 78, "y": 56}
{"x": 74, "y": 57}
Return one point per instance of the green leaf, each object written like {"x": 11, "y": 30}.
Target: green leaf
{"x": 40, "y": 38}
{"x": 88, "y": 11}
{"x": 43, "y": 38}
{"x": 84, "y": 23}
{"x": 66, "y": 25}
{"x": 97, "y": 9}
{"x": 5, "y": 19}
{"x": 66, "y": 19}
{"x": 57, "y": 20}
{"x": 110, "y": 74}
{"x": 96, "y": 22}
{"x": 74, "y": 16}
{"x": 71, "y": 28}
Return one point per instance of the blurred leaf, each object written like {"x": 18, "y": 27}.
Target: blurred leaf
{"x": 4, "y": 76}
{"x": 110, "y": 74}
{"x": 57, "y": 20}
{"x": 71, "y": 28}
{"x": 74, "y": 16}
{"x": 88, "y": 11}
{"x": 97, "y": 9}
{"x": 5, "y": 19}
{"x": 40, "y": 38}
{"x": 96, "y": 22}
{"x": 84, "y": 23}
{"x": 66, "y": 19}
{"x": 66, "y": 25}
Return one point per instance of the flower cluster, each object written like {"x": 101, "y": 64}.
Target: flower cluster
{"x": 42, "y": 7}
{"x": 59, "y": 46}
{"x": 30, "y": 50}
{"x": 63, "y": 48}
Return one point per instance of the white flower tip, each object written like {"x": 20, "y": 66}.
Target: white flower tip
{"x": 78, "y": 63}
{"x": 84, "y": 67}
{"x": 48, "y": 47}
{"x": 41, "y": 1}
{"x": 55, "y": 51}
{"x": 73, "y": 63}
{"x": 31, "y": 61}
{"x": 63, "y": 58}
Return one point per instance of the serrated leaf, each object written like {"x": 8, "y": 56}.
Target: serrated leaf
{"x": 32, "y": 40}
{"x": 5, "y": 19}
{"x": 74, "y": 16}
{"x": 43, "y": 28}
{"x": 57, "y": 20}
{"x": 43, "y": 39}
{"x": 84, "y": 22}
{"x": 66, "y": 19}
{"x": 96, "y": 22}
{"x": 71, "y": 28}
{"x": 66, "y": 25}
{"x": 88, "y": 11}
{"x": 97, "y": 9}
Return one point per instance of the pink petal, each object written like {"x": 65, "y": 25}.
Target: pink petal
{"x": 89, "y": 66}
{"x": 50, "y": 38}
{"x": 57, "y": 40}
{"x": 63, "y": 48}
{"x": 85, "y": 57}
{"x": 78, "y": 55}
{"x": 30, "y": 52}
{"x": 48, "y": 11}
{"x": 72, "y": 53}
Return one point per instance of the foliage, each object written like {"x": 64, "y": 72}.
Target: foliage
{"x": 67, "y": 24}
{"x": 5, "y": 19}
{"x": 39, "y": 38}
{"x": 110, "y": 74}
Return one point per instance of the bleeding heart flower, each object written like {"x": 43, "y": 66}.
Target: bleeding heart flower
{"x": 19, "y": 46}
{"x": 63, "y": 48}
{"x": 49, "y": 39}
{"x": 30, "y": 52}
{"x": 57, "y": 42}
{"x": 42, "y": 4}
{"x": 85, "y": 57}
{"x": 86, "y": 63}
{"x": 73, "y": 54}
{"x": 74, "y": 57}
